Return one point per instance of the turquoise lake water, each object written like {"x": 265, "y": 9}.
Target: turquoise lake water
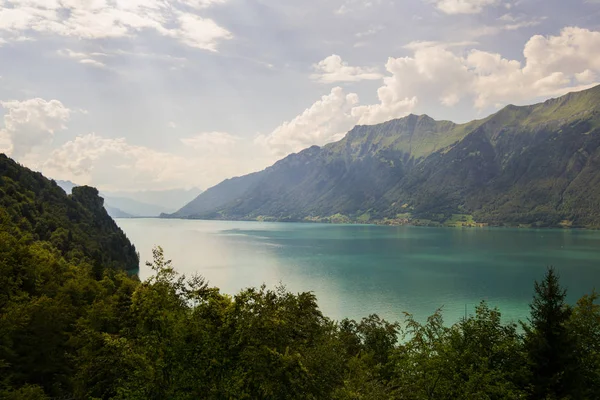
{"x": 357, "y": 270}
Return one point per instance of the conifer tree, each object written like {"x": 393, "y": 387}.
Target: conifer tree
{"x": 548, "y": 343}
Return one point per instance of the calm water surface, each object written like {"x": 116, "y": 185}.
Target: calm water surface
{"x": 356, "y": 270}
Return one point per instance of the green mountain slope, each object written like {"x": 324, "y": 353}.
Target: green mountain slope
{"x": 214, "y": 198}
{"x": 523, "y": 165}
{"x": 34, "y": 208}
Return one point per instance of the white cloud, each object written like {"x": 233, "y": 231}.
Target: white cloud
{"x": 370, "y": 32}
{"x": 350, "y": 6}
{"x": 432, "y": 74}
{"x": 587, "y": 76}
{"x": 84, "y": 58}
{"x": 334, "y": 69}
{"x": 508, "y": 22}
{"x": 6, "y": 146}
{"x": 92, "y": 62}
{"x": 574, "y": 50}
{"x": 31, "y": 123}
{"x": 98, "y": 19}
{"x": 325, "y": 121}
{"x": 463, "y": 6}
{"x": 116, "y": 164}
{"x": 199, "y": 32}
{"x": 435, "y": 75}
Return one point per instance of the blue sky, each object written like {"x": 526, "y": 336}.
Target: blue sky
{"x": 160, "y": 94}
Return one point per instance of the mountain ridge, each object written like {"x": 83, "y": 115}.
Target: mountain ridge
{"x": 34, "y": 208}
{"x": 494, "y": 170}
{"x": 135, "y": 204}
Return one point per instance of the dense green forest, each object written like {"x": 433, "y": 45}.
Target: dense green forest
{"x": 71, "y": 328}
{"x": 530, "y": 165}
{"x": 35, "y": 209}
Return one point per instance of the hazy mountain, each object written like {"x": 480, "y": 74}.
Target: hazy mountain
{"x": 67, "y": 186}
{"x": 226, "y": 191}
{"x": 117, "y": 213}
{"x": 169, "y": 200}
{"x": 133, "y": 207}
{"x": 141, "y": 203}
{"x": 536, "y": 164}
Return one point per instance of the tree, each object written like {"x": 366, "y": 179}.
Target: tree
{"x": 421, "y": 364}
{"x": 486, "y": 357}
{"x": 548, "y": 343}
{"x": 584, "y": 325}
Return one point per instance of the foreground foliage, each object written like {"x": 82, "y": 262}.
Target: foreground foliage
{"x": 73, "y": 335}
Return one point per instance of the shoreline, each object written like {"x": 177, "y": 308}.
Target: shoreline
{"x": 417, "y": 223}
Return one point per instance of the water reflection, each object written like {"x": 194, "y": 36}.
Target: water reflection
{"x": 357, "y": 270}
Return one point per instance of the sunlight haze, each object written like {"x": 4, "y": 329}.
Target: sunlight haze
{"x": 164, "y": 94}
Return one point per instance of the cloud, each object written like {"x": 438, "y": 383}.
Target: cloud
{"x": 508, "y": 22}
{"x": 587, "y": 76}
{"x": 199, "y": 32}
{"x": 92, "y": 62}
{"x": 211, "y": 142}
{"x": 31, "y": 123}
{"x": 463, "y": 6}
{"x": 434, "y": 75}
{"x": 333, "y": 69}
{"x": 84, "y": 58}
{"x": 116, "y": 164}
{"x": 6, "y": 145}
{"x": 573, "y": 51}
{"x": 99, "y": 19}
{"x": 350, "y": 6}
{"x": 370, "y": 32}
{"x": 325, "y": 121}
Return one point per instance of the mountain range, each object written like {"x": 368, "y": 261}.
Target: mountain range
{"x": 147, "y": 203}
{"x": 536, "y": 165}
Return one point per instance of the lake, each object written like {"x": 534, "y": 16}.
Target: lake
{"x": 357, "y": 270}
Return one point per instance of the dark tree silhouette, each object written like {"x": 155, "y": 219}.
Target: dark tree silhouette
{"x": 548, "y": 343}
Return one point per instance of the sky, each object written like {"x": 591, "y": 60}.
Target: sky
{"x": 162, "y": 94}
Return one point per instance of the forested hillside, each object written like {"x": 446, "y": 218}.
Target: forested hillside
{"x": 35, "y": 209}
{"x": 72, "y": 328}
{"x": 534, "y": 165}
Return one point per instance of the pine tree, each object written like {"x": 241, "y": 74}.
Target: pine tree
{"x": 549, "y": 346}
